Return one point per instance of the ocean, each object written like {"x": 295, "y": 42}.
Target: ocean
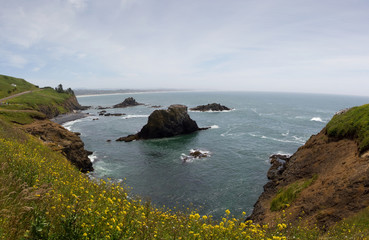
{"x": 239, "y": 143}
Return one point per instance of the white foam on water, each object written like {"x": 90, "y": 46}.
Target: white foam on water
{"x": 135, "y": 116}
{"x": 283, "y": 153}
{"x": 190, "y": 158}
{"x": 316, "y": 119}
{"x": 211, "y": 111}
{"x": 69, "y": 125}
{"x": 286, "y": 134}
{"x": 92, "y": 157}
{"x": 214, "y": 126}
{"x": 299, "y": 139}
{"x": 296, "y": 139}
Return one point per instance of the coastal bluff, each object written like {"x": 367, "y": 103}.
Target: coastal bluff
{"x": 324, "y": 182}
{"x": 166, "y": 123}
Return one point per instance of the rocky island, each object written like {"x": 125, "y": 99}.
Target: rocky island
{"x": 128, "y": 102}
{"x": 166, "y": 123}
{"x": 216, "y": 107}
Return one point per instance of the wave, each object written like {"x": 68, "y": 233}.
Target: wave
{"x": 214, "y": 126}
{"x": 92, "y": 157}
{"x": 283, "y": 153}
{"x": 68, "y": 125}
{"x": 202, "y": 154}
{"x": 317, "y": 119}
{"x": 135, "y": 116}
{"x": 211, "y": 111}
{"x": 296, "y": 139}
{"x": 286, "y": 134}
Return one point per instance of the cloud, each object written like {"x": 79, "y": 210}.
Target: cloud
{"x": 250, "y": 45}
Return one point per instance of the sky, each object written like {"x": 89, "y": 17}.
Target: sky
{"x": 314, "y": 46}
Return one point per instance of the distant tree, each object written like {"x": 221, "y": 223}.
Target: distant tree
{"x": 69, "y": 91}
{"x": 59, "y": 88}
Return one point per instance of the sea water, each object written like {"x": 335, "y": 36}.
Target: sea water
{"x": 238, "y": 143}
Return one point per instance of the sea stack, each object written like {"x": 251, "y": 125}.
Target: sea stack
{"x": 211, "y": 107}
{"x": 166, "y": 123}
{"x": 128, "y": 102}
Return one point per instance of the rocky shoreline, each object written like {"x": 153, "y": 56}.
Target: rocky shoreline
{"x": 68, "y": 117}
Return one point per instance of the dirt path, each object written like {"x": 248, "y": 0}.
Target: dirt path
{"x": 15, "y": 95}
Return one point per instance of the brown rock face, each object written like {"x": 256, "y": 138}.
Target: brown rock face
{"x": 62, "y": 140}
{"x": 341, "y": 188}
{"x": 165, "y": 123}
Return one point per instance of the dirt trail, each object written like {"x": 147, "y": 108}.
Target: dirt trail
{"x": 13, "y": 96}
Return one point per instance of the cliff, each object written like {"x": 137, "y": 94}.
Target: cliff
{"x": 62, "y": 140}
{"x": 30, "y": 110}
{"x": 67, "y": 105}
{"x": 325, "y": 181}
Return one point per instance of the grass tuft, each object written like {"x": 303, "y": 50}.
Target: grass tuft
{"x": 353, "y": 124}
{"x": 288, "y": 194}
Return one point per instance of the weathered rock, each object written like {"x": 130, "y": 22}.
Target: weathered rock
{"x": 60, "y": 139}
{"x": 128, "y": 102}
{"x": 166, "y": 123}
{"x": 114, "y": 114}
{"x": 278, "y": 162}
{"x": 101, "y": 113}
{"x": 195, "y": 154}
{"x": 210, "y": 107}
{"x": 341, "y": 188}
{"x": 102, "y": 108}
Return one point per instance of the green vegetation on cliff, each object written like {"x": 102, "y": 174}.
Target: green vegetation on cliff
{"x": 35, "y": 103}
{"x": 353, "y": 124}
{"x": 288, "y": 194}
{"x": 10, "y": 86}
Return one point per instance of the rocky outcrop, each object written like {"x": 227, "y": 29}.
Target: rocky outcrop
{"x": 195, "y": 154}
{"x": 106, "y": 114}
{"x": 210, "y": 107}
{"x": 166, "y": 123}
{"x": 60, "y": 139}
{"x": 128, "y": 102}
{"x": 340, "y": 190}
{"x": 70, "y": 104}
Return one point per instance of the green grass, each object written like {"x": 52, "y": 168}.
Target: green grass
{"x": 288, "y": 194}
{"x": 44, "y": 100}
{"x": 353, "y": 124}
{"x": 6, "y": 88}
{"x": 43, "y": 196}
{"x": 21, "y": 117}
{"x": 355, "y": 227}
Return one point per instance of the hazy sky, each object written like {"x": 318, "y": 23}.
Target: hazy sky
{"x": 319, "y": 46}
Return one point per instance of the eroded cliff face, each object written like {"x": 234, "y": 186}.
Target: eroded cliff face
{"x": 340, "y": 189}
{"x": 60, "y": 139}
{"x": 70, "y": 104}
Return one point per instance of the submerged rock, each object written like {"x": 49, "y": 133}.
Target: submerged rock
{"x": 128, "y": 102}
{"x": 195, "y": 154}
{"x": 211, "y": 107}
{"x": 166, "y": 123}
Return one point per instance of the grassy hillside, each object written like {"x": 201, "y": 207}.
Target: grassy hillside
{"x": 34, "y": 105}
{"x": 352, "y": 124}
{"x": 10, "y": 86}
{"x": 45, "y": 197}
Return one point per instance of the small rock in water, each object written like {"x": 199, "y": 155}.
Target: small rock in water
{"x": 195, "y": 154}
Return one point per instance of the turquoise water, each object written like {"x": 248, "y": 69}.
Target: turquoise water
{"x": 240, "y": 143}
